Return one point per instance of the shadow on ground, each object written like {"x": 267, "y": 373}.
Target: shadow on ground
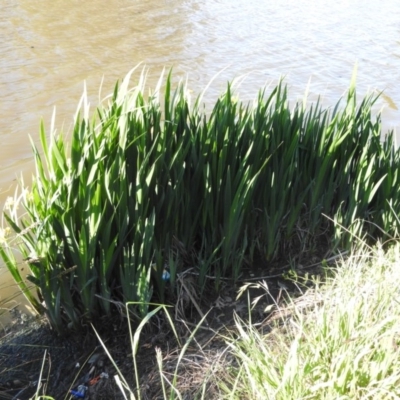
{"x": 33, "y": 358}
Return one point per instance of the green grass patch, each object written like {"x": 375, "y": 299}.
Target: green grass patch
{"x": 340, "y": 340}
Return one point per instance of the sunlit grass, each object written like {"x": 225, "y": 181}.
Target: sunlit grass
{"x": 343, "y": 345}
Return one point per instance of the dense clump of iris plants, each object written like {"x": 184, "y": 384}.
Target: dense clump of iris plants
{"x": 150, "y": 182}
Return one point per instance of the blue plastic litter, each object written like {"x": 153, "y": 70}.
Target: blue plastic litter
{"x": 80, "y": 393}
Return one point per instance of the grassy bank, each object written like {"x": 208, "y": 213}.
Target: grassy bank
{"x": 149, "y": 187}
{"x": 340, "y": 339}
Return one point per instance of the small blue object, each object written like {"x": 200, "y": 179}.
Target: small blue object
{"x": 166, "y": 275}
{"x": 80, "y": 393}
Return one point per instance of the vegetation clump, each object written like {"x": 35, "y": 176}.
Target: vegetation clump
{"x": 340, "y": 339}
{"x": 149, "y": 186}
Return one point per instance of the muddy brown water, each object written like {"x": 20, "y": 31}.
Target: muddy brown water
{"x": 48, "y": 49}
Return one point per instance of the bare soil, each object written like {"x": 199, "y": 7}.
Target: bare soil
{"x": 34, "y": 359}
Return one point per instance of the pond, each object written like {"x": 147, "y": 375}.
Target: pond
{"x": 50, "y": 48}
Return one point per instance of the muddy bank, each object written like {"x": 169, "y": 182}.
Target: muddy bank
{"x": 79, "y": 359}
{"x": 32, "y": 356}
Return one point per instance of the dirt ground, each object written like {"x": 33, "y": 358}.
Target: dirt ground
{"x": 33, "y": 359}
